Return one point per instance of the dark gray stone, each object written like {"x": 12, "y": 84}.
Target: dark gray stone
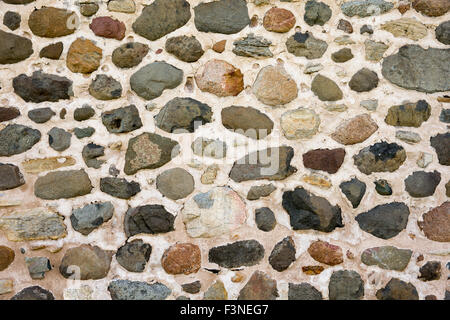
{"x": 33, "y": 293}
{"x": 12, "y": 20}
{"x": 430, "y": 271}
{"x": 59, "y": 139}
{"x": 192, "y": 287}
{"x": 303, "y": 291}
{"x": 84, "y": 113}
{"x": 257, "y": 192}
{"x": 366, "y": 8}
{"x": 41, "y": 115}
{"x": 380, "y": 157}
{"x": 283, "y": 254}
{"x": 387, "y": 257}
{"x": 422, "y": 184}
{"x": 443, "y": 32}
{"x": 252, "y": 46}
{"x": 137, "y": 290}
{"x": 14, "y": 48}
{"x": 119, "y": 187}
{"x": 187, "y": 49}
{"x": 383, "y": 187}
{"x": 104, "y": 87}
{"x": 81, "y": 133}
{"x": 38, "y": 266}
{"x": 90, "y": 217}
{"x": 134, "y": 255}
{"x": 62, "y": 185}
{"x": 306, "y": 45}
{"x": 16, "y": 139}
{"x": 397, "y": 289}
{"x": 317, "y": 13}
{"x": 441, "y": 144}
{"x": 265, "y": 219}
{"x": 364, "y": 80}
{"x": 10, "y": 177}
{"x": 354, "y": 190}
{"x": 238, "y": 254}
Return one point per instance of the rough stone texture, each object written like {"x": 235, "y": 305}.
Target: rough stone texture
{"x": 316, "y": 13}
{"x": 326, "y": 89}
{"x": 104, "y": 87}
{"x": 10, "y": 177}
{"x": 431, "y": 8}
{"x": 345, "y": 285}
{"x": 303, "y": 291}
{"x": 441, "y": 144}
{"x": 443, "y": 32}
{"x": 397, "y": 289}
{"x": 137, "y": 290}
{"x": 324, "y": 159}
{"x": 283, "y": 254}
{"x": 355, "y": 130}
{"x": 52, "y": 51}
{"x": 122, "y": 120}
{"x": 33, "y": 293}
{"x": 326, "y": 253}
{"x": 234, "y": 255}
{"x": 366, "y": 8}
{"x": 409, "y": 114}
{"x": 436, "y": 223}
{"x": 187, "y": 49}
{"x": 257, "y": 192}
{"x": 59, "y": 139}
{"x": 409, "y": 28}
{"x": 175, "y": 183}
{"x": 430, "y": 271}
{"x": 181, "y": 258}
{"x": 134, "y": 255}
{"x": 63, "y": 185}
{"x": 90, "y": 217}
{"x": 50, "y": 22}
{"x": 247, "y": 121}
{"x": 220, "y": 78}
{"x": 265, "y": 219}
{"x": 130, "y": 54}
{"x": 380, "y": 157}
{"x": 119, "y": 187}
{"x": 364, "y": 80}
{"x": 14, "y": 48}
{"x": 274, "y": 86}
{"x": 301, "y": 123}
{"x": 252, "y": 46}
{"x": 278, "y": 20}
{"x": 306, "y": 45}
{"x": 259, "y": 287}
{"x": 84, "y": 56}
{"x": 151, "y": 219}
{"x": 422, "y": 184}
{"x": 108, "y": 27}
{"x": 387, "y": 257}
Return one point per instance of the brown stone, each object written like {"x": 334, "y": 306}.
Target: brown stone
{"x": 345, "y": 26}
{"x": 47, "y": 164}
{"x": 259, "y": 287}
{"x": 220, "y": 78}
{"x": 52, "y": 22}
{"x": 219, "y": 46}
{"x": 279, "y": 20}
{"x": 108, "y": 27}
{"x": 52, "y": 51}
{"x": 324, "y": 159}
{"x": 325, "y": 252}
{"x": 83, "y": 56}
{"x": 436, "y": 223}
{"x": 8, "y": 113}
{"x": 403, "y": 7}
{"x": 6, "y": 257}
{"x": 312, "y": 270}
{"x": 432, "y": 8}
{"x": 355, "y": 130}
{"x": 182, "y": 258}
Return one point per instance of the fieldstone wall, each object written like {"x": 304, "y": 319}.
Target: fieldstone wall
{"x": 231, "y": 149}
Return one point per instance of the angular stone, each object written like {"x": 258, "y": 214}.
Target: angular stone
{"x": 8, "y": 113}
{"x": 150, "y": 219}
{"x": 63, "y": 185}
{"x": 220, "y": 78}
{"x": 324, "y": 159}
{"x": 50, "y": 22}
{"x": 269, "y": 164}
{"x": 238, "y": 254}
{"x": 182, "y": 258}
{"x": 193, "y": 287}
{"x": 382, "y": 187}
{"x": 345, "y": 26}
{"x": 216, "y": 291}
{"x": 312, "y": 67}
{"x": 16, "y": 139}
{"x": 279, "y": 20}
{"x": 10, "y": 177}
{"x": 222, "y": 16}
{"x": 424, "y": 159}
{"x": 104, "y": 87}
{"x": 317, "y": 179}
{"x": 119, "y": 187}
{"x": 431, "y": 8}
{"x": 150, "y": 81}
{"x": 436, "y": 223}
{"x": 380, "y": 157}
{"x": 265, "y": 219}
{"x": 247, "y": 121}
{"x": 283, "y": 254}
{"x": 6, "y": 257}
{"x": 47, "y": 164}
{"x": 187, "y": 49}
{"x": 300, "y": 123}
{"x": 306, "y": 45}
{"x": 409, "y": 114}
{"x": 355, "y": 130}
{"x": 216, "y": 212}
{"x": 42, "y": 87}
{"x": 397, "y": 289}
{"x": 342, "y": 56}
{"x": 441, "y": 144}
{"x": 38, "y": 266}
{"x": 134, "y": 255}
{"x": 316, "y": 13}
{"x": 419, "y": 69}
{"x": 257, "y": 192}
{"x": 59, "y": 139}
{"x": 182, "y": 115}
{"x": 409, "y": 28}
{"x": 52, "y": 51}
{"x": 387, "y": 257}
{"x": 259, "y": 287}
{"x": 366, "y": 8}
{"x": 308, "y": 211}
{"x": 375, "y": 50}
{"x": 122, "y": 120}
{"x": 326, "y": 253}
{"x": 205, "y": 147}
{"x": 326, "y": 89}
{"x": 274, "y": 86}
{"x": 430, "y": 271}
{"x": 421, "y": 184}
{"x": 364, "y": 80}
{"x": 14, "y": 48}
{"x": 384, "y": 221}
{"x": 137, "y": 290}
{"x": 303, "y": 291}
{"x": 33, "y": 293}
{"x": 443, "y": 32}
{"x": 83, "y": 56}
{"x": 345, "y": 285}
{"x": 85, "y": 262}
{"x": 252, "y": 46}
{"x": 125, "y": 6}
{"x": 149, "y": 151}
{"x": 354, "y": 190}
{"x": 175, "y": 183}
{"x": 108, "y": 27}
{"x": 33, "y": 224}
{"x": 130, "y": 54}
{"x": 12, "y": 20}
{"x": 90, "y": 217}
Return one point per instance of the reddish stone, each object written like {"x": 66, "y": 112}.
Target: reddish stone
{"x": 219, "y": 47}
{"x": 403, "y": 7}
{"x": 312, "y": 270}
{"x": 8, "y": 113}
{"x": 182, "y": 258}
{"x": 220, "y": 78}
{"x": 436, "y": 223}
{"x": 325, "y": 252}
{"x": 324, "y": 159}
{"x": 279, "y": 20}
{"x": 108, "y": 27}
{"x": 6, "y": 257}
{"x": 259, "y": 287}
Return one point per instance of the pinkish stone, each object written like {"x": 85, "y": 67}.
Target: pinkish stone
{"x": 108, "y": 27}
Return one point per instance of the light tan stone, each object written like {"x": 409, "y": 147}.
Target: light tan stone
{"x": 301, "y": 123}
{"x": 409, "y": 28}
{"x": 47, "y": 164}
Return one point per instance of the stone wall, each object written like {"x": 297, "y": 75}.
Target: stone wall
{"x": 387, "y": 122}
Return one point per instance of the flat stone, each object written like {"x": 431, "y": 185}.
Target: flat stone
{"x": 104, "y": 87}
{"x": 436, "y": 223}
{"x": 182, "y": 258}
{"x": 50, "y": 22}
{"x": 6, "y": 257}
{"x": 326, "y": 89}
{"x": 108, "y": 27}
{"x": 384, "y": 221}
{"x": 33, "y": 293}
{"x": 257, "y": 192}
{"x": 430, "y": 271}
{"x": 237, "y": 254}
{"x": 130, "y": 54}
{"x": 63, "y": 185}
{"x": 259, "y": 287}
{"x": 265, "y": 219}
{"x": 83, "y": 56}
{"x": 8, "y": 113}
{"x": 345, "y": 285}
{"x": 137, "y": 290}
{"x": 16, "y": 139}
{"x": 441, "y": 144}
{"x": 274, "y": 86}
{"x": 387, "y": 257}
{"x": 308, "y": 211}
{"x": 85, "y": 262}
{"x": 269, "y": 164}
{"x": 124, "y": 6}
{"x": 42, "y": 87}
{"x": 90, "y": 217}
{"x": 279, "y": 20}
{"x": 134, "y": 255}
{"x": 397, "y": 289}
{"x": 283, "y": 254}
{"x": 213, "y": 148}
{"x": 37, "y": 266}
{"x": 316, "y": 13}
{"x": 33, "y": 224}
{"x": 421, "y": 184}
{"x": 52, "y": 51}
{"x": 119, "y": 187}
{"x": 216, "y": 291}
{"x": 326, "y": 253}
{"x": 370, "y": 104}
{"x": 355, "y": 130}
{"x": 366, "y": 8}
{"x": 306, "y": 45}
{"x": 354, "y": 190}
{"x": 380, "y": 157}
{"x": 443, "y": 32}
{"x": 219, "y": 211}
{"x": 14, "y": 48}
{"x": 431, "y": 8}
{"x": 410, "y": 28}
{"x": 317, "y": 179}
{"x": 375, "y": 50}
{"x": 47, "y": 164}
{"x": 303, "y": 291}
{"x": 12, "y": 20}
{"x": 6, "y": 286}
{"x": 122, "y": 120}
{"x": 83, "y": 292}
{"x": 175, "y": 183}
{"x": 344, "y": 40}
{"x": 342, "y": 55}
{"x": 220, "y": 78}
{"x": 187, "y": 49}
{"x": 252, "y": 46}
{"x": 192, "y": 287}
{"x": 59, "y": 139}
{"x": 18, "y": 1}
{"x": 312, "y": 67}
{"x": 81, "y": 133}
{"x": 301, "y": 123}
{"x": 248, "y": 121}
{"x": 324, "y": 159}
{"x": 10, "y": 177}
{"x": 150, "y": 219}
{"x": 364, "y": 80}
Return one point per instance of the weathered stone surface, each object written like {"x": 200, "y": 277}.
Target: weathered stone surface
{"x": 366, "y": 8}
{"x": 274, "y": 86}
{"x": 6, "y": 257}
{"x": 52, "y": 22}
{"x": 345, "y": 285}
{"x": 303, "y": 291}
{"x": 252, "y": 46}
{"x": 445, "y": 115}
{"x": 10, "y": 177}
{"x": 317, "y": 179}
{"x": 18, "y": 1}
{"x": 125, "y": 6}
{"x": 364, "y": 80}
{"x": 355, "y": 130}
{"x": 122, "y": 120}
{"x": 151, "y": 219}
{"x": 223, "y": 16}
{"x": 38, "y": 266}
{"x": 431, "y": 8}
{"x": 129, "y": 54}
{"x": 137, "y": 290}
{"x": 6, "y": 286}
{"x": 306, "y": 45}
{"x": 187, "y": 49}
{"x": 41, "y": 87}
{"x": 380, "y": 157}
{"x": 441, "y": 144}
{"x": 259, "y": 287}
{"x": 47, "y": 164}
{"x": 436, "y": 223}
{"x": 108, "y": 27}
{"x": 134, "y": 255}
{"x": 430, "y": 271}
{"x": 182, "y": 258}
{"x": 247, "y": 121}
{"x": 341, "y": 56}
{"x": 162, "y": 17}
{"x": 279, "y": 20}
{"x": 269, "y": 164}
{"x": 409, "y": 28}
{"x": 375, "y": 50}
{"x": 326, "y": 89}
{"x": 326, "y": 253}
{"x": 88, "y": 9}
{"x": 149, "y": 151}
{"x": 257, "y": 192}
{"x": 59, "y": 139}
{"x": 84, "y": 113}
{"x": 104, "y": 87}
{"x": 14, "y": 48}
{"x": 354, "y": 190}
{"x": 205, "y": 147}
{"x": 387, "y": 257}
{"x": 316, "y": 13}
{"x": 220, "y": 78}
{"x": 443, "y": 32}
{"x": 86, "y": 262}
{"x": 16, "y": 139}
{"x": 216, "y": 291}
{"x": 8, "y": 113}
{"x": 324, "y": 159}
{"x": 33, "y": 293}
{"x": 422, "y": 184}
{"x": 90, "y": 153}
{"x": 12, "y": 20}
{"x": 265, "y": 219}
{"x": 238, "y": 254}
{"x": 415, "y": 68}
{"x": 83, "y": 56}
{"x": 175, "y": 183}
{"x": 345, "y": 26}
{"x": 52, "y": 51}
{"x": 308, "y": 211}
{"x": 283, "y": 254}
{"x": 33, "y": 224}
{"x": 181, "y": 115}
{"x": 382, "y": 187}
{"x": 192, "y": 287}
{"x": 397, "y": 289}
{"x": 119, "y": 187}
{"x": 150, "y": 81}
{"x": 300, "y": 123}
{"x": 90, "y": 217}
{"x": 384, "y": 221}
{"x": 62, "y": 185}
{"x": 409, "y": 114}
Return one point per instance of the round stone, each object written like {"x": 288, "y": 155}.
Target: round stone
{"x": 175, "y": 183}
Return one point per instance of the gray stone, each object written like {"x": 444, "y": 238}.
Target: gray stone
{"x": 41, "y": 115}
{"x": 122, "y": 120}
{"x": 257, "y": 192}
{"x": 81, "y": 133}
{"x": 408, "y": 136}
{"x": 421, "y": 184}
{"x": 441, "y": 144}
{"x": 134, "y": 255}
{"x": 265, "y": 219}
{"x": 364, "y": 80}
{"x": 59, "y": 139}
{"x": 303, "y": 291}
{"x": 187, "y": 49}
{"x": 238, "y": 254}
{"x": 129, "y": 55}
{"x": 62, "y": 185}
{"x": 119, "y": 187}
{"x": 343, "y": 55}
{"x": 409, "y": 114}
{"x": 366, "y": 8}
{"x": 259, "y": 287}
{"x": 354, "y": 190}
{"x": 104, "y": 87}
{"x": 375, "y": 50}
{"x": 205, "y": 147}
{"x": 370, "y": 104}
{"x": 175, "y": 183}
{"x": 137, "y": 290}
{"x": 443, "y": 32}
{"x": 12, "y": 20}
{"x": 316, "y": 13}
{"x": 283, "y": 254}
{"x": 90, "y": 217}
{"x": 14, "y": 48}
{"x": 345, "y": 285}
{"x": 84, "y": 113}
{"x": 33, "y": 293}
{"x": 445, "y": 115}
{"x": 305, "y": 45}
{"x": 382, "y": 187}
{"x": 380, "y": 157}
{"x": 326, "y": 89}
{"x": 430, "y": 271}
{"x": 38, "y": 266}
{"x": 397, "y": 289}
{"x": 387, "y": 257}
{"x": 252, "y": 46}
{"x": 192, "y": 287}
{"x": 247, "y": 121}
{"x": 16, "y": 139}
{"x": 150, "y": 219}
{"x": 88, "y": 9}
{"x": 10, "y": 177}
